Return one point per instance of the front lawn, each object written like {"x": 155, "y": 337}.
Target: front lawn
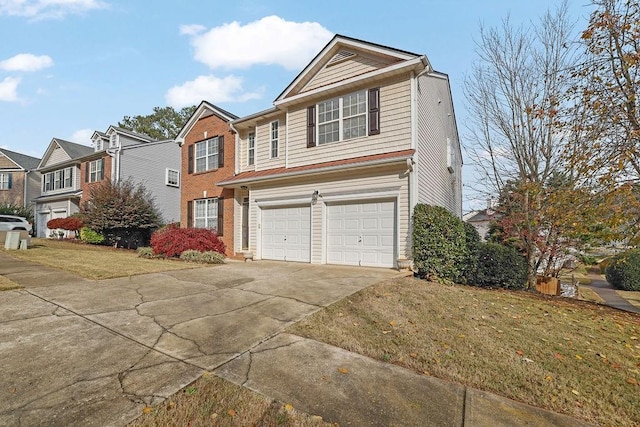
{"x": 7, "y": 285}
{"x": 92, "y": 261}
{"x": 567, "y": 356}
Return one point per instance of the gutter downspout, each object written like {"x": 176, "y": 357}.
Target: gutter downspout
{"x": 236, "y": 145}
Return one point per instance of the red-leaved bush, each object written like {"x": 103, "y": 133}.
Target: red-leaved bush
{"x": 69, "y": 223}
{"x": 171, "y": 241}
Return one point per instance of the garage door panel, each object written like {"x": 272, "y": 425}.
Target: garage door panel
{"x": 361, "y": 234}
{"x": 286, "y": 233}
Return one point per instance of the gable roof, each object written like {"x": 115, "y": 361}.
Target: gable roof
{"x": 131, "y": 133}
{"x": 204, "y": 108}
{"x": 73, "y": 150}
{"x": 339, "y": 43}
{"x": 22, "y": 160}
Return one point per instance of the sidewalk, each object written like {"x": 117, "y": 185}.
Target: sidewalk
{"x": 609, "y": 294}
{"x": 354, "y": 390}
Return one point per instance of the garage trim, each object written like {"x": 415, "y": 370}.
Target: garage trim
{"x": 281, "y": 203}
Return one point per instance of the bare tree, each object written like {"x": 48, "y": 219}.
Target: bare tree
{"x": 515, "y": 95}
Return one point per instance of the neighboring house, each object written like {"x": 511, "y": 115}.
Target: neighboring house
{"x": 19, "y": 179}
{"x": 120, "y": 154}
{"x": 208, "y": 145}
{"x": 332, "y": 172}
{"x": 60, "y": 182}
{"x": 481, "y": 220}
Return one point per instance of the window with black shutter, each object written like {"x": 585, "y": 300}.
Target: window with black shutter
{"x": 374, "y": 111}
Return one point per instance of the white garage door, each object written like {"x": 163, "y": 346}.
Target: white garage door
{"x": 286, "y": 233}
{"x": 361, "y": 234}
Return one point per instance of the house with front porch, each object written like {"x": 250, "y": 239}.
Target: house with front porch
{"x": 331, "y": 173}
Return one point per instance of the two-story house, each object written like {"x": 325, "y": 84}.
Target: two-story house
{"x": 60, "y": 170}
{"x": 120, "y": 154}
{"x": 332, "y": 172}
{"x": 208, "y": 156}
{"x": 19, "y": 179}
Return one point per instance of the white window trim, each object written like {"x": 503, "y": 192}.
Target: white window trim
{"x": 272, "y": 140}
{"x": 251, "y": 149}
{"x": 342, "y": 118}
{"x": 99, "y": 144}
{"x": 166, "y": 178}
{"x": 95, "y": 170}
{"x": 113, "y": 140}
{"x": 4, "y": 181}
{"x": 50, "y": 177}
{"x": 207, "y": 219}
{"x": 207, "y": 167}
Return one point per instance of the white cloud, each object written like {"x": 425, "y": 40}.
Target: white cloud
{"x": 210, "y": 88}
{"x": 48, "y": 9}
{"x": 192, "y": 29}
{"x": 9, "y": 89}
{"x": 26, "y": 62}
{"x": 268, "y": 41}
{"x": 82, "y": 136}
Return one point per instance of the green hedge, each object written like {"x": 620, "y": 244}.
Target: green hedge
{"x": 439, "y": 247}
{"x": 87, "y": 235}
{"x": 623, "y": 271}
{"x": 500, "y": 266}
{"x": 472, "y": 249}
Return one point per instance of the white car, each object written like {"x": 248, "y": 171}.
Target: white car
{"x": 11, "y": 222}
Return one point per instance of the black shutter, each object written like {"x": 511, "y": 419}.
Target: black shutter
{"x": 86, "y": 172}
{"x": 311, "y": 126}
{"x": 190, "y": 158}
{"x": 220, "y": 151}
{"x": 189, "y": 214}
{"x": 101, "y": 169}
{"x": 374, "y": 111}
{"x": 10, "y": 183}
{"x": 220, "y": 216}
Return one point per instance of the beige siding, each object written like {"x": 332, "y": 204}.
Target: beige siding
{"x": 346, "y": 186}
{"x": 263, "y": 144}
{"x": 6, "y": 163}
{"x": 395, "y": 130}
{"x": 58, "y": 155}
{"x": 436, "y": 185}
{"x": 360, "y": 64}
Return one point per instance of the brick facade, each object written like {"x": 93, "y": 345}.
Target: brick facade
{"x": 14, "y": 195}
{"x": 85, "y": 185}
{"x": 201, "y": 185}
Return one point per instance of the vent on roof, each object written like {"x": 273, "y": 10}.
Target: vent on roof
{"x": 341, "y": 56}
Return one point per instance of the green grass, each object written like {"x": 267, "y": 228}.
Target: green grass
{"x": 567, "y": 356}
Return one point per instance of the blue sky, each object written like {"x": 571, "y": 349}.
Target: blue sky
{"x": 69, "y": 67}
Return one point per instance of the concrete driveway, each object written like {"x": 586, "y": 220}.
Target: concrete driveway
{"x": 82, "y": 352}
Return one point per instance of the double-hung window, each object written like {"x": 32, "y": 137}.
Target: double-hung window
{"x": 251, "y": 148}
{"x": 95, "y": 170}
{"x": 208, "y": 154}
{"x": 206, "y": 213}
{"x": 58, "y": 180}
{"x": 5, "y": 181}
{"x": 66, "y": 178}
{"x": 113, "y": 140}
{"x": 172, "y": 178}
{"x": 274, "y": 138}
{"x": 346, "y": 117}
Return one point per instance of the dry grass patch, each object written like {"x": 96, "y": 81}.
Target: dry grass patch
{"x": 212, "y": 401}
{"x": 567, "y": 356}
{"x": 94, "y": 262}
{"x": 7, "y": 285}
{"x": 587, "y": 294}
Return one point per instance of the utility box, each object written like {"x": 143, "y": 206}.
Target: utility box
{"x": 12, "y": 241}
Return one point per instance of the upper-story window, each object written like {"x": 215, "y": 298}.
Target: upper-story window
{"x": 5, "y": 181}
{"x": 99, "y": 144}
{"x": 251, "y": 148}
{"x": 96, "y": 170}
{"x": 113, "y": 140}
{"x": 209, "y": 155}
{"x": 349, "y": 116}
{"x": 274, "y": 138}
{"x": 172, "y": 178}
{"x": 58, "y": 180}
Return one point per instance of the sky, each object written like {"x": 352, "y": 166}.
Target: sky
{"x": 70, "y": 67}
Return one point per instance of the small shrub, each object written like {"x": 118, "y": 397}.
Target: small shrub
{"x": 172, "y": 241}
{"x": 623, "y": 271}
{"x": 145, "y": 252}
{"x": 500, "y": 266}
{"x": 87, "y": 235}
{"x": 438, "y": 243}
{"x": 587, "y": 259}
{"x": 209, "y": 257}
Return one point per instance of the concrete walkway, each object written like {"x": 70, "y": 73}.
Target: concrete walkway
{"x": 611, "y": 298}
{"x": 83, "y": 352}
